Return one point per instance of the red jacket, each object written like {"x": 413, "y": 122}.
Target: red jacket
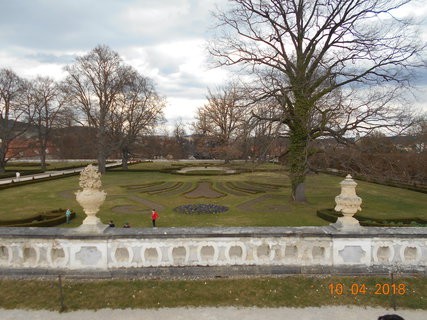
{"x": 154, "y": 215}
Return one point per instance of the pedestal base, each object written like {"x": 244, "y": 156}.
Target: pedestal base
{"x": 347, "y": 224}
{"x": 92, "y": 224}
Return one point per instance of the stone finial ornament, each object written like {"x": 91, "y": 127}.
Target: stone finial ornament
{"x": 348, "y": 203}
{"x": 91, "y": 199}
{"x": 90, "y": 178}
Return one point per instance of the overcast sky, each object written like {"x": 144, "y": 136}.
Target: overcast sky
{"x": 163, "y": 39}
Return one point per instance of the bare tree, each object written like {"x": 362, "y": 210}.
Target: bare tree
{"x": 93, "y": 84}
{"x": 12, "y": 112}
{"x": 331, "y": 66}
{"x": 46, "y": 102}
{"x": 138, "y": 109}
{"x": 266, "y": 134}
{"x": 221, "y": 120}
{"x": 179, "y": 136}
{"x": 419, "y": 132}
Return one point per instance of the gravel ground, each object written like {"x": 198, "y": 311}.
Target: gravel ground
{"x": 325, "y": 313}
{"x": 204, "y": 189}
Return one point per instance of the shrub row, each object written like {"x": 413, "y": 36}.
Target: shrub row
{"x": 177, "y": 185}
{"x": 242, "y": 188}
{"x": 21, "y": 183}
{"x": 142, "y": 186}
{"x": 159, "y": 187}
{"x": 331, "y": 215}
{"x": 45, "y": 219}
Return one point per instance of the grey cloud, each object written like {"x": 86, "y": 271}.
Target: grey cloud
{"x": 420, "y": 77}
{"x": 69, "y": 24}
{"x": 52, "y": 58}
{"x": 81, "y": 24}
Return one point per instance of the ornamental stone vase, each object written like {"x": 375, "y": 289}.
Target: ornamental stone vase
{"x": 348, "y": 203}
{"x": 91, "y": 198}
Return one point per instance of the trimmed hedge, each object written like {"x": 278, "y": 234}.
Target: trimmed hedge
{"x": 12, "y": 174}
{"x": 177, "y": 185}
{"x": 21, "y": 183}
{"x": 331, "y": 215}
{"x": 243, "y": 188}
{"x": 46, "y": 219}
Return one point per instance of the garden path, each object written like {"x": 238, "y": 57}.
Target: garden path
{"x": 223, "y": 313}
{"x": 204, "y": 190}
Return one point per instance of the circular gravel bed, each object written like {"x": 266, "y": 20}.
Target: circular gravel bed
{"x": 200, "y": 209}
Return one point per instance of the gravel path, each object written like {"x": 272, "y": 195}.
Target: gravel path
{"x": 204, "y": 189}
{"x": 228, "y": 313}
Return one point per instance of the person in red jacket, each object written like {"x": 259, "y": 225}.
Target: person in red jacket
{"x": 154, "y": 217}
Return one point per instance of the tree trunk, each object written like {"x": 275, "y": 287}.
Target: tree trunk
{"x": 101, "y": 162}
{"x": 2, "y": 161}
{"x": 2, "y": 167}
{"x": 125, "y": 159}
{"x": 101, "y": 146}
{"x": 101, "y": 154}
{"x": 297, "y": 165}
{"x": 43, "y": 158}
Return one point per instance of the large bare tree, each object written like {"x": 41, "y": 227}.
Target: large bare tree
{"x": 46, "y": 102}
{"x": 330, "y": 66}
{"x": 220, "y": 120}
{"x": 138, "y": 109}
{"x": 181, "y": 144}
{"x": 94, "y": 83}
{"x": 13, "y": 113}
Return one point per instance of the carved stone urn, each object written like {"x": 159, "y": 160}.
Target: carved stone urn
{"x": 91, "y": 198}
{"x": 348, "y": 203}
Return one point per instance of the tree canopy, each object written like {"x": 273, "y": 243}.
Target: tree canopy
{"x": 331, "y": 67}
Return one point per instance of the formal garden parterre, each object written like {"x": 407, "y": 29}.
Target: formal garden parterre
{"x": 255, "y": 196}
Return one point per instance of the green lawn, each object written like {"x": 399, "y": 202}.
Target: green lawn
{"x": 269, "y": 208}
{"x": 290, "y": 291}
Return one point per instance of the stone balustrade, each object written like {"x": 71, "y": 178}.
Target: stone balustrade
{"x": 301, "y": 249}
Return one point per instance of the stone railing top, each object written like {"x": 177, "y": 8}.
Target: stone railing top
{"x": 214, "y": 232}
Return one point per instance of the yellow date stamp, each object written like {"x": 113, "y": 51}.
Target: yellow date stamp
{"x": 364, "y": 289}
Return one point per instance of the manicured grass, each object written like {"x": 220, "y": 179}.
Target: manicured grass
{"x": 291, "y": 291}
{"x": 271, "y": 208}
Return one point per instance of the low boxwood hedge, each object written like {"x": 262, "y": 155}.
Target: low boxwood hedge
{"x": 45, "y": 219}
{"x": 331, "y": 215}
{"x": 21, "y": 183}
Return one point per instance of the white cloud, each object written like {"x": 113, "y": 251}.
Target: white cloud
{"x": 164, "y": 40}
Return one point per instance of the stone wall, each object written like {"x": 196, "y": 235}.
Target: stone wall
{"x": 314, "y": 249}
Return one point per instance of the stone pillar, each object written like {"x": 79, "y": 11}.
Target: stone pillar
{"x": 91, "y": 198}
{"x": 348, "y": 203}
